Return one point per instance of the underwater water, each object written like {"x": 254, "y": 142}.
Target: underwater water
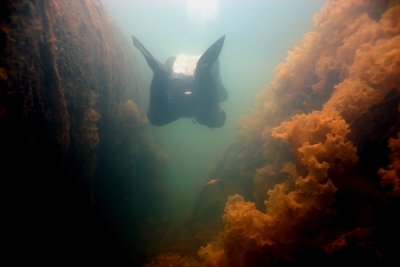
{"x": 258, "y": 36}
{"x": 305, "y": 171}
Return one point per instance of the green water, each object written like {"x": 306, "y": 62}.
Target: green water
{"x": 258, "y": 36}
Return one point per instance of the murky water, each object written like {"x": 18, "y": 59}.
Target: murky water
{"x": 304, "y": 172}
{"x": 258, "y": 36}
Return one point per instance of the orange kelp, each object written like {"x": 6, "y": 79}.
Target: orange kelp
{"x": 317, "y": 158}
{"x": 79, "y": 166}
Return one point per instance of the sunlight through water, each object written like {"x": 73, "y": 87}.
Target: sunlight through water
{"x": 201, "y": 11}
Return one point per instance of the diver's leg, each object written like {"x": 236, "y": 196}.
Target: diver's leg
{"x": 159, "y": 112}
{"x": 207, "y": 69}
{"x": 221, "y": 90}
{"x": 207, "y": 87}
{"x": 212, "y": 117}
{"x": 209, "y": 92}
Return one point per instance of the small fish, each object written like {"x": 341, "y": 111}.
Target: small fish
{"x": 212, "y": 181}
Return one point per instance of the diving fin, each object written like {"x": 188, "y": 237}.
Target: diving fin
{"x": 208, "y": 58}
{"x": 153, "y": 63}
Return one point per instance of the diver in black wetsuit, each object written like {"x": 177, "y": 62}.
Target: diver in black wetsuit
{"x": 177, "y": 92}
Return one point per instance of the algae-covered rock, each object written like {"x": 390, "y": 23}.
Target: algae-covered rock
{"x": 79, "y": 167}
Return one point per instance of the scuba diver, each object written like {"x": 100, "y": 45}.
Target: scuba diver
{"x": 186, "y": 87}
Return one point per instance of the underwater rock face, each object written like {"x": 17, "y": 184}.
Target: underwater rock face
{"x": 79, "y": 166}
{"x": 317, "y": 161}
